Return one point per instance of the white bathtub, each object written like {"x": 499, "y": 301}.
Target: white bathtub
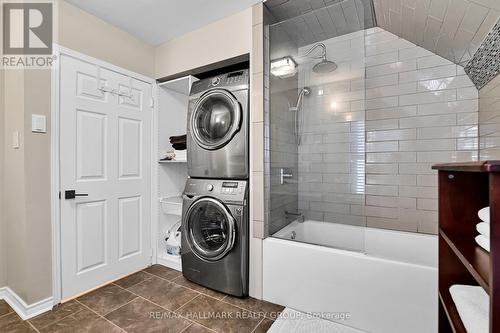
{"x": 386, "y": 281}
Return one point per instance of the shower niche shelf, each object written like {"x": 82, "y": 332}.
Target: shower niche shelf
{"x": 465, "y": 188}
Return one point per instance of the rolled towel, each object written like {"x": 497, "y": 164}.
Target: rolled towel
{"x": 483, "y": 241}
{"x": 473, "y": 307}
{"x": 484, "y": 229}
{"x": 484, "y": 214}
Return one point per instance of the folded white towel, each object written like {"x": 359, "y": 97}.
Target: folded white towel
{"x": 483, "y": 228}
{"x": 484, "y": 214}
{"x": 472, "y": 304}
{"x": 483, "y": 241}
{"x": 180, "y": 155}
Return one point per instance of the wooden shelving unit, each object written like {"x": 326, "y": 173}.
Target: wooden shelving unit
{"x": 464, "y": 188}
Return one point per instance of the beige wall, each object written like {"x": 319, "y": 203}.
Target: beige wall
{"x": 88, "y": 34}
{"x": 26, "y": 215}
{"x": 221, "y": 40}
{"x": 3, "y": 248}
{"x": 489, "y": 120}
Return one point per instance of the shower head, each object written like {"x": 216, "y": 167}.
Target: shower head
{"x": 325, "y": 65}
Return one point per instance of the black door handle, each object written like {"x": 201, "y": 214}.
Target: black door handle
{"x": 71, "y": 194}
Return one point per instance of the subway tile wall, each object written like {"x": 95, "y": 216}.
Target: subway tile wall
{"x": 395, "y": 106}
{"x": 280, "y": 147}
{"x": 332, "y": 150}
{"x": 489, "y": 120}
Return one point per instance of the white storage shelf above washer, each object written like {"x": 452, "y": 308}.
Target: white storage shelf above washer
{"x": 172, "y": 161}
{"x": 171, "y": 205}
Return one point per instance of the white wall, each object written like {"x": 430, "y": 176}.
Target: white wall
{"x": 420, "y": 109}
{"x": 489, "y": 120}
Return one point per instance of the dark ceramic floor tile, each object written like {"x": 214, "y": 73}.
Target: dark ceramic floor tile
{"x": 181, "y": 280}
{"x": 106, "y": 299}
{"x": 195, "y": 328}
{"x": 133, "y": 279}
{"x": 84, "y": 321}
{"x": 167, "y": 294}
{"x": 12, "y": 323}
{"x": 219, "y": 316}
{"x": 140, "y": 316}
{"x": 58, "y": 312}
{"x": 4, "y": 308}
{"x": 163, "y": 272}
{"x": 264, "y": 308}
{"x": 264, "y": 326}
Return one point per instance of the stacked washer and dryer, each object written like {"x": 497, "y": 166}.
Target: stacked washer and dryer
{"x": 215, "y": 223}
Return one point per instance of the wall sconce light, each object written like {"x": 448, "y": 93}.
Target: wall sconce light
{"x": 283, "y": 67}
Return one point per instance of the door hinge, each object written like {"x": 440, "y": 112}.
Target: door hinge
{"x": 152, "y": 102}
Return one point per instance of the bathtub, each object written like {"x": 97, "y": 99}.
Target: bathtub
{"x": 378, "y": 281}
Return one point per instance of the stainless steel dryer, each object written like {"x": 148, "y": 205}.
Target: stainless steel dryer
{"x": 215, "y": 235}
{"x": 217, "y": 131}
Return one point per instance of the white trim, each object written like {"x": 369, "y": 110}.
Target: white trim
{"x": 155, "y": 186}
{"x": 55, "y": 157}
{"x": 55, "y": 180}
{"x": 24, "y": 310}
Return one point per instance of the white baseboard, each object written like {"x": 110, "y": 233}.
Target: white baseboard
{"x": 24, "y": 310}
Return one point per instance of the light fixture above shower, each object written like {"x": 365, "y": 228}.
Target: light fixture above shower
{"x": 283, "y": 67}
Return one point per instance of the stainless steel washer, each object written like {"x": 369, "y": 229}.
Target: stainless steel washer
{"x": 215, "y": 235}
{"x": 217, "y": 131}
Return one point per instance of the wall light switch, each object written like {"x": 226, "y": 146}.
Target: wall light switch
{"x": 15, "y": 140}
{"x": 38, "y": 123}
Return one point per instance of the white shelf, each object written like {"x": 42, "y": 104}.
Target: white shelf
{"x": 172, "y": 161}
{"x": 167, "y": 260}
{"x": 172, "y": 205}
{"x": 181, "y": 85}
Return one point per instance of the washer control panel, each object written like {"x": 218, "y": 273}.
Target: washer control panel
{"x": 231, "y": 188}
{"x": 226, "y": 190}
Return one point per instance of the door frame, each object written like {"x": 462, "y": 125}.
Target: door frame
{"x": 55, "y": 171}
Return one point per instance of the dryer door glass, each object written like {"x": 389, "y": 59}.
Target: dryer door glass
{"x": 210, "y": 229}
{"x": 215, "y": 119}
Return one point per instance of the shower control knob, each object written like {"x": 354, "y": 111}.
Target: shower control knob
{"x": 210, "y": 187}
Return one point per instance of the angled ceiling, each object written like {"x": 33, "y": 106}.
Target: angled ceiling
{"x": 453, "y": 29}
{"x": 157, "y": 21}
{"x": 309, "y": 21}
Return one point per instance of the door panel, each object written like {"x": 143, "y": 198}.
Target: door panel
{"x": 105, "y": 150}
{"x": 130, "y": 157}
{"x": 129, "y": 227}
{"x": 90, "y": 235}
{"x": 90, "y": 145}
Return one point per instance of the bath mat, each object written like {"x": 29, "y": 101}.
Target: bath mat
{"x": 291, "y": 321}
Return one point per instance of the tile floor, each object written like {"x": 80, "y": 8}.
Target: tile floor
{"x": 157, "y": 299}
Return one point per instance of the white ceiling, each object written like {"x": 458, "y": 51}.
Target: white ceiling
{"x": 453, "y": 29}
{"x": 157, "y": 21}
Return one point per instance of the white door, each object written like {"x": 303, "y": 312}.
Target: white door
{"x": 105, "y": 149}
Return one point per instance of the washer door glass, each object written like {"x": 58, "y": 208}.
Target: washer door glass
{"x": 216, "y": 119}
{"x": 210, "y": 229}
